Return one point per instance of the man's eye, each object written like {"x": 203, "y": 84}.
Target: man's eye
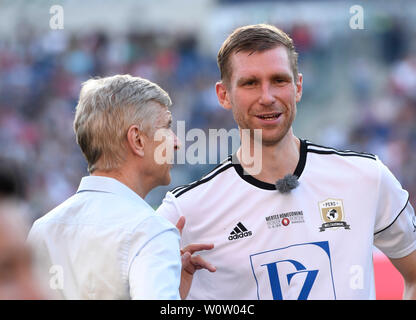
{"x": 281, "y": 81}
{"x": 250, "y": 83}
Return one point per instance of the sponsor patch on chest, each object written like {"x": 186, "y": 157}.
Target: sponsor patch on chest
{"x": 284, "y": 219}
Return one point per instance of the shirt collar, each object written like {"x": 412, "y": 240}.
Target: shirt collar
{"x": 107, "y": 184}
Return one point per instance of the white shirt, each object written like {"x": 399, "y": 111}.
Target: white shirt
{"x": 109, "y": 244}
{"x": 315, "y": 242}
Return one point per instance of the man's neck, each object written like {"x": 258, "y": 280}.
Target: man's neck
{"x": 125, "y": 179}
{"x": 274, "y": 162}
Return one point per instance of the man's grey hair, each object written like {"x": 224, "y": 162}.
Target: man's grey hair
{"x": 106, "y": 109}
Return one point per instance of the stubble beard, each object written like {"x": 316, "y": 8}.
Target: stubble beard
{"x": 267, "y": 140}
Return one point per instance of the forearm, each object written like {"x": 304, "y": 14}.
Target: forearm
{"x": 407, "y": 268}
{"x": 185, "y": 286}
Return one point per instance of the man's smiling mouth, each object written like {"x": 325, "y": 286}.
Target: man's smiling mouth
{"x": 269, "y": 116}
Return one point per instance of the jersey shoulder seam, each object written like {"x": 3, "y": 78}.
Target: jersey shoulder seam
{"x": 226, "y": 164}
{"x": 319, "y": 149}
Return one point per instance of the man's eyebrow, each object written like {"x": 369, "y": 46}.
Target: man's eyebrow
{"x": 282, "y": 75}
{"x": 277, "y": 75}
{"x": 245, "y": 79}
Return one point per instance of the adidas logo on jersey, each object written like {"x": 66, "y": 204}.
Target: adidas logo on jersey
{"x": 240, "y": 231}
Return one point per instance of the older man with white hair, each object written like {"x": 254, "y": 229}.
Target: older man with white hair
{"x": 105, "y": 240}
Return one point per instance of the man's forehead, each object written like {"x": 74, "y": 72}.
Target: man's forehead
{"x": 159, "y": 108}
{"x": 168, "y": 114}
{"x": 243, "y": 62}
{"x": 165, "y": 114}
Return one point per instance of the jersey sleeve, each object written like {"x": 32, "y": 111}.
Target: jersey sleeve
{"x": 169, "y": 209}
{"x": 395, "y": 225}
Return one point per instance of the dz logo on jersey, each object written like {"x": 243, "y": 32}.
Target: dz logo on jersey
{"x": 299, "y": 271}
{"x": 332, "y": 214}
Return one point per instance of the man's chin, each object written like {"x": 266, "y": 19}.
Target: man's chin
{"x": 167, "y": 180}
{"x": 271, "y": 140}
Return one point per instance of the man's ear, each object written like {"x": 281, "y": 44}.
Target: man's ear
{"x": 136, "y": 140}
{"x": 222, "y": 94}
{"x": 299, "y": 84}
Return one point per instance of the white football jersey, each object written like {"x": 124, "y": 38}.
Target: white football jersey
{"x": 315, "y": 242}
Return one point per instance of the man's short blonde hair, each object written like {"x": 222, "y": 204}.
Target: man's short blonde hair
{"x": 106, "y": 109}
{"x": 252, "y": 38}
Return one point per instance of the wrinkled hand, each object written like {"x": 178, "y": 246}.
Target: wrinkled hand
{"x": 191, "y": 263}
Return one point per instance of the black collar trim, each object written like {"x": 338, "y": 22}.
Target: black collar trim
{"x": 264, "y": 185}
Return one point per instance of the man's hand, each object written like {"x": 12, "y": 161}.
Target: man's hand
{"x": 191, "y": 263}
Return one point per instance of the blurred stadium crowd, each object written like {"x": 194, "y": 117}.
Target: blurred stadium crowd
{"x": 41, "y": 74}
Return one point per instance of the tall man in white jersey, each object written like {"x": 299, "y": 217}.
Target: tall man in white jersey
{"x": 310, "y": 239}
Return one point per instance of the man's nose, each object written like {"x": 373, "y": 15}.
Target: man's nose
{"x": 267, "y": 98}
{"x": 177, "y": 143}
